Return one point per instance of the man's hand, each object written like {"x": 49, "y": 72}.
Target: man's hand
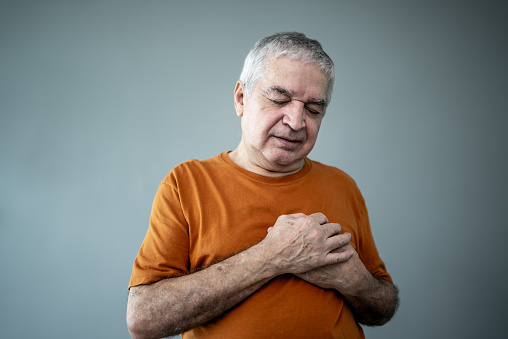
{"x": 340, "y": 276}
{"x": 299, "y": 243}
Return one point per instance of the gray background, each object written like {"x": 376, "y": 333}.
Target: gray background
{"x": 100, "y": 99}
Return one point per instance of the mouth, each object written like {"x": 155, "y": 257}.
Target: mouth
{"x": 288, "y": 142}
{"x": 289, "y": 139}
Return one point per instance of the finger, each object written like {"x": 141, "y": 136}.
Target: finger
{"x": 320, "y": 218}
{"x": 338, "y": 241}
{"x": 338, "y": 257}
{"x": 269, "y": 229}
{"x": 331, "y": 229}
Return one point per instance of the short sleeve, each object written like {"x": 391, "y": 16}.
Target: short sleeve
{"x": 165, "y": 250}
{"x": 367, "y": 248}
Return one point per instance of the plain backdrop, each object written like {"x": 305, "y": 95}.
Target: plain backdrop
{"x": 100, "y": 99}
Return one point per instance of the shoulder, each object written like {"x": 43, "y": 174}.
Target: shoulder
{"x": 193, "y": 168}
{"x": 335, "y": 179}
{"x": 332, "y": 173}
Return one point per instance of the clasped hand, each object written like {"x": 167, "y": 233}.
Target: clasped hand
{"x": 309, "y": 247}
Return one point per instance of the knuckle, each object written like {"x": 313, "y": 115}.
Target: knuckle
{"x": 305, "y": 221}
{"x": 320, "y": 217}
{"x": 341, "y": 257}
{"x": 314, "y": 233}
{"x": 334, "y": 228}
{"x": 283, "y": 217}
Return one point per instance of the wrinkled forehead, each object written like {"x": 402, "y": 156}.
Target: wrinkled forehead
{"x": 296, "y": 77}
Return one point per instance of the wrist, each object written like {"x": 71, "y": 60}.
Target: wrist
{"x": 263, "y": 260}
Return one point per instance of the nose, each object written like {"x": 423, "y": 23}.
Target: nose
{"x": 294, "y": 115}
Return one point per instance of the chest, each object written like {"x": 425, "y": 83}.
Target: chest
{"x": 225, "y": 219}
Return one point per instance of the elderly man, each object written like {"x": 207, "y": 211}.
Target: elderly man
{"x": 262, "y": 242}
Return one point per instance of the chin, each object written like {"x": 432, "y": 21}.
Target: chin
{"x": 283, "y": 160}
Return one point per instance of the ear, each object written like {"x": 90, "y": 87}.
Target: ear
{"x": 238, "y": 98}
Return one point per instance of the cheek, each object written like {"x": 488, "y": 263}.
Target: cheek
{"x": 256, "y": 128}
{"x": 313, "y": 130}
{"x": 267, "y": 120}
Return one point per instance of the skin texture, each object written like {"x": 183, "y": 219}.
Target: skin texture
{"x": 281, "y": 118}
{"x": 280, "y": 125}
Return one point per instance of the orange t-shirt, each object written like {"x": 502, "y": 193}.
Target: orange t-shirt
{"x": 206, "y": 211}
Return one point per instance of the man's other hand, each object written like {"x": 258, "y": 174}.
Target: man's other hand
{"x": 299, "y": 243}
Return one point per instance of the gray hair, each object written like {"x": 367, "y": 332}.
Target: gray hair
{"x": 292, "y": 44}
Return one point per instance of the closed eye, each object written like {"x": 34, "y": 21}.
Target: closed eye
{"x": 312, "y": 111}
{"x": 283, "y": 102}
{"x": 278, "y": 102}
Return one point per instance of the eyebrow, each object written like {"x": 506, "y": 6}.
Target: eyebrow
{"x": 284, "y": 91}
{"x": 280, "y": 90}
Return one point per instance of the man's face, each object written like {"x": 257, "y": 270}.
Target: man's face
{"x": 281, "y": 118}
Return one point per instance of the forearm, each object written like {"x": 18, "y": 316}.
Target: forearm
{"x": 175, "y": 305}
{"x": 375, "y": 303}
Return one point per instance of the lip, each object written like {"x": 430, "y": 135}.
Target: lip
{"x": 288, "y": 142}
